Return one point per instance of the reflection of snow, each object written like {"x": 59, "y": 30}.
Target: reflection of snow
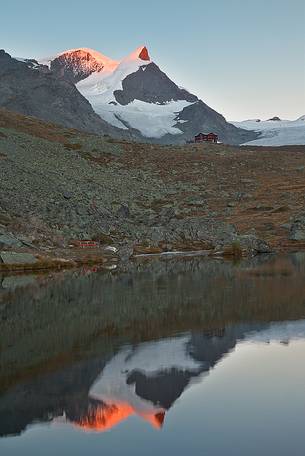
{"x": 279, "y": 332}
{"x": 114, "y": 397}
{"x": 158, "y": 357}
{"x": 150, "y": 358}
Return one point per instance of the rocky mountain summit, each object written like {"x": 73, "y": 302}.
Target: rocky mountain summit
{"x": 78, "y": 64}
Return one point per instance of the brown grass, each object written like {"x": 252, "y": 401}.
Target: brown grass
{"x": 72, "y": 146}
{"x": 36, "y": 127}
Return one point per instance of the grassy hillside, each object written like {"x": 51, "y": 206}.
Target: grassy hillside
{"x": 58, "y": 184}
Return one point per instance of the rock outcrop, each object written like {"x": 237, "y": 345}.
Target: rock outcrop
{"x": 75, "y": 66}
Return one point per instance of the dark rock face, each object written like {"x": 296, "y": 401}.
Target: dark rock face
{"x": 275, "y": 119}
{"x": 199, "y": 117}
{"x": 42, "y": 94}
{"x": 75, "y": 66}
{"x": 32, "y": 63}
{"x": 151, "y": 85}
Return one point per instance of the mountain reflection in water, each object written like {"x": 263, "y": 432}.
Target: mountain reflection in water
{"x": 95, "y": 350}
{"x": 146, "y": 380}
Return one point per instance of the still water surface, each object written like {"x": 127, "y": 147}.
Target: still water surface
{"x": 171, "y": 357}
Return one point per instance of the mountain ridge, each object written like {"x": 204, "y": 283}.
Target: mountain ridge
{"x": 29, "y": 88}
{"x": 131, "y": 99}
{"x": 134, "y": 93}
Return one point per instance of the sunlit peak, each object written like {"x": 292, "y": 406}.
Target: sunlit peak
{"x": 140, "y": 53}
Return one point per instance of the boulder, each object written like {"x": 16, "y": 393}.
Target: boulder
{"x": 297, "y": 229}
{"x": 8, "y": 240}
{"x": 253, "y": 245}
{"x": 67, "y": 195}
{"x": 17, "y": 258}
{"x": 192, "y": 230}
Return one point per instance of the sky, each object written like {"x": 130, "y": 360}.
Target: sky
{"x": 244, "y": 58}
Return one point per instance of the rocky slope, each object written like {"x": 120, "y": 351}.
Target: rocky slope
{"x": 57, "y": 185}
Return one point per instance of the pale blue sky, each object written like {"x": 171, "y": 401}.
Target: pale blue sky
{"x": 244, "y": 58}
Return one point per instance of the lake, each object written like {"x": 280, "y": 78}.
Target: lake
{"x": 167, "y": 356}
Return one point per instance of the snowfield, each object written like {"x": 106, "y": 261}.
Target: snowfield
{"x": 276, "y": 133}
{"x": 152, "y": 120}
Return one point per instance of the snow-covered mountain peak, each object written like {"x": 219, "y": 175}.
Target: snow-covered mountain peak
{"x": 131, "y": 63}
{"x": 135, "y": 94}
{"x": 103, "y": 84}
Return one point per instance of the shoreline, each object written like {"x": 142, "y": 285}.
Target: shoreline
{"x": 45, "y": 264}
